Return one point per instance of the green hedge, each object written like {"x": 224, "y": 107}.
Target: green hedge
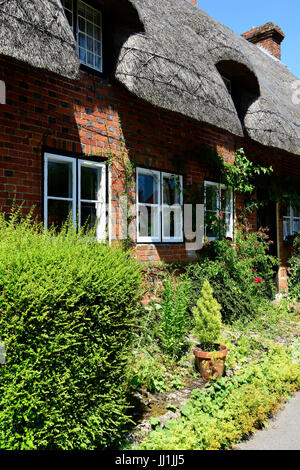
{"x": 67, "y": 307}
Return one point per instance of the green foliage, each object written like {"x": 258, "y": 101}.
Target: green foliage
{"x": 174, "y": 316}
{"x": 207, "y": 317}
{"x": 67, "y": 310}
{"x": 221, "y": 415}
{"x": 241, "y": 273}
{"x": 294, "y": 282}
{"x": 242, "y": 172}
{"x": 148, "y": 370}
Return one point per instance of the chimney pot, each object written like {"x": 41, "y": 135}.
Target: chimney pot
{"x": 268, "y": 36}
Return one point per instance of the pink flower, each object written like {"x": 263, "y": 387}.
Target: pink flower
{"x": 256, "y": 244}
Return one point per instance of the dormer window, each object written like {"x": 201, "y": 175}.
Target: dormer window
{"x": 86, "y": 23}
{"x": 241, "y": 83}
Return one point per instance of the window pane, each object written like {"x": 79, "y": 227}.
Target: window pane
{"x": 211, "y": 198}
{"x": 172, "y": 222}
{"x": 90, "y": 183}
{"x": 58, "y": 212}
{"x": 147, "y": 188}
{"x": 286, "y": 227}
{"x": 81, "y": 24}
{"x": 89, "y": 37}
{"x": 171, "y": 190}
{"x": 82, "y": 55}
{"x": 286, "y": 208}
{"x": 60, "y": 179}
{"x": 296, "y": 226}
{"x": 88, "y": 214}
{"x": 82, "y": 40}
{"x": 226, "y": 194}
{"x": 148, "y": 221}
{"x": 228, "y": 225}
{"x": 211, "y": 224}
{"x": 296, "y": 211}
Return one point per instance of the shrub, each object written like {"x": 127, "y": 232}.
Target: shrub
{"x": 67, "y": 307}
{"x": 241, "y": 273}
{"x": 294, "y": 281}
{"x": 174, "y": 316}
{"x": 207, "y": 316}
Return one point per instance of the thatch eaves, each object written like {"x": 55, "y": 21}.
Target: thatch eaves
{"x": 173, "y": 65}
{"x": 37, "y": 32}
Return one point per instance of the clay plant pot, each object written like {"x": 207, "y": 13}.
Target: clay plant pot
{"x": 211, "y": 364}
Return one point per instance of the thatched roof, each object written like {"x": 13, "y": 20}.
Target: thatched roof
{"x": 173, "y": 65}
{"x": 37, "y": 32}
{"x": 169, "y": 53}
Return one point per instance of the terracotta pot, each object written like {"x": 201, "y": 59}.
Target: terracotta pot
{"x": 211, "y": 364}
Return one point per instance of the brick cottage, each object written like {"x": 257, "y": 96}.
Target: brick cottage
{"x": 131, "y": 97}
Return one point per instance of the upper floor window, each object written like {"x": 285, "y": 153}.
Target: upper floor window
{"x": 86, "y": 23}
{"x": 159, "y": 206}
{"x": 291, "y": 220}
{"x": 218, "y": 203}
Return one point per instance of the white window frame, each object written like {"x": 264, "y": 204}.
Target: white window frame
{"x": 160, "y": 207}
{"x": 291, "y": 219}
{"x": 175, "y": 206}
{"x": 219, "y": 187}
{"x": 101, "y": 200}
{"x": 76, "y": 187}
{"x": 156, "y": 174}
{"x": 76, "y": 31}
{"x": 59, "y": 158}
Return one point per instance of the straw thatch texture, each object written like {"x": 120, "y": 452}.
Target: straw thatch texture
{"x": 37, "y": 32}
{"x": 173, "y": 66}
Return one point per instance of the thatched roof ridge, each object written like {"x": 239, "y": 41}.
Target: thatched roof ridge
{"x": 173, "y": 66}
{"x": 37, "y": 32}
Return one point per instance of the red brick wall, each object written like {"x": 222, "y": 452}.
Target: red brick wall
{"x": 45, "y": 111}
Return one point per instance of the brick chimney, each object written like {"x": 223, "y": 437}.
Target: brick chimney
{"x": 268, "y": 36}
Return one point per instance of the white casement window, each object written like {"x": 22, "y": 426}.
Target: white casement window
{"x": 291, "y": 220}
{"x": 77, "y": 187}
{"x": 159, "y": 207}
{"x": 59, "y": 189}
{"x": 218, "y": 203}
{"x": 92, "y": 196}
{"x": 86, "y": 23}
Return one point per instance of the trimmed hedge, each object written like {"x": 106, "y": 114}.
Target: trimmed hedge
{"x": 67, "y": 308}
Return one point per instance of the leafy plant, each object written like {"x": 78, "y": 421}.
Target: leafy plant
{"x": 174, "y": 316}
{"x": 207, "y": 317}
{"x": 294, "y": 282}
{"x": 240, "y": 174}
{"x": 226, "y": 411}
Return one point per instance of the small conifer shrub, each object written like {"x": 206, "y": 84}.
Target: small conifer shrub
{"x": 207, "y": 317}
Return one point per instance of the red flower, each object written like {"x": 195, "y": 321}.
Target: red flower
{"x": 256, "y": 244}
{"x": 253, "y": 270}
{"x": 221, "y": 214}
{"x": 257, "y": 280}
